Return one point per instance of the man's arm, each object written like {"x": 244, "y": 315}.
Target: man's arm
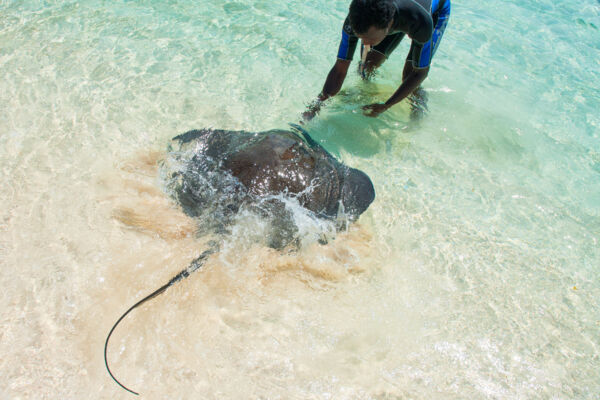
{"x": 335, "y": 79}
{"x": 412, "y": 81}
{"x": 332, "y": 86}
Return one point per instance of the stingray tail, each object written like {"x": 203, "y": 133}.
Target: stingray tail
{"x": 194, "y": 265}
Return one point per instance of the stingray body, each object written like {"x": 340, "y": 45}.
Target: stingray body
{"x": 213, "y": 174}
{"x": 227, "y": 170}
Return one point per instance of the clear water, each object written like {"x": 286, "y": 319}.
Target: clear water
{"x": 473, "y": 275}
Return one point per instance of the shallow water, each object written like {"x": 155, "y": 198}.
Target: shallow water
{"x": 473, "y": 275}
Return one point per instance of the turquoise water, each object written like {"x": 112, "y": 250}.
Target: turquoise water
{"x": 473, "y": 275}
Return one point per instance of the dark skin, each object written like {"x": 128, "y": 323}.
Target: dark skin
{"x": 411, "y": 77}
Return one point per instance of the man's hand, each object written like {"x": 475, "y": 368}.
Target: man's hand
{"x": 373, "y": 110}
{"x": 308, "y": 115}
{"x": 332, "y": 86}
{"x": 312, "y": 109}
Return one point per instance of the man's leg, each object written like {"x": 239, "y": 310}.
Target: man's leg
{"x": 422, "y": 56}
{"x": 418, "y": 98}
{"x": 370, "y": 62}
{"x": 375, "y": 56}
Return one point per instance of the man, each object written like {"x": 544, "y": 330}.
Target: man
{"x": 381, "y": 25}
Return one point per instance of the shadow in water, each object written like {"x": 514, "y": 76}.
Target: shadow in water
{"x": 341, "y": 126}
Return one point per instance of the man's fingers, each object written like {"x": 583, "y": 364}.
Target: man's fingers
{"x": 369, "y": 113}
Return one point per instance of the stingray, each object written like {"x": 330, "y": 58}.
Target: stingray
{"x": 215, "y": 174}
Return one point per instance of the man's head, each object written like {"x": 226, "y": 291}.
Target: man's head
{"x": 371, "y": 20}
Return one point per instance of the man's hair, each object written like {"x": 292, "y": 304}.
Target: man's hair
{"x": 367, "y": 13}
